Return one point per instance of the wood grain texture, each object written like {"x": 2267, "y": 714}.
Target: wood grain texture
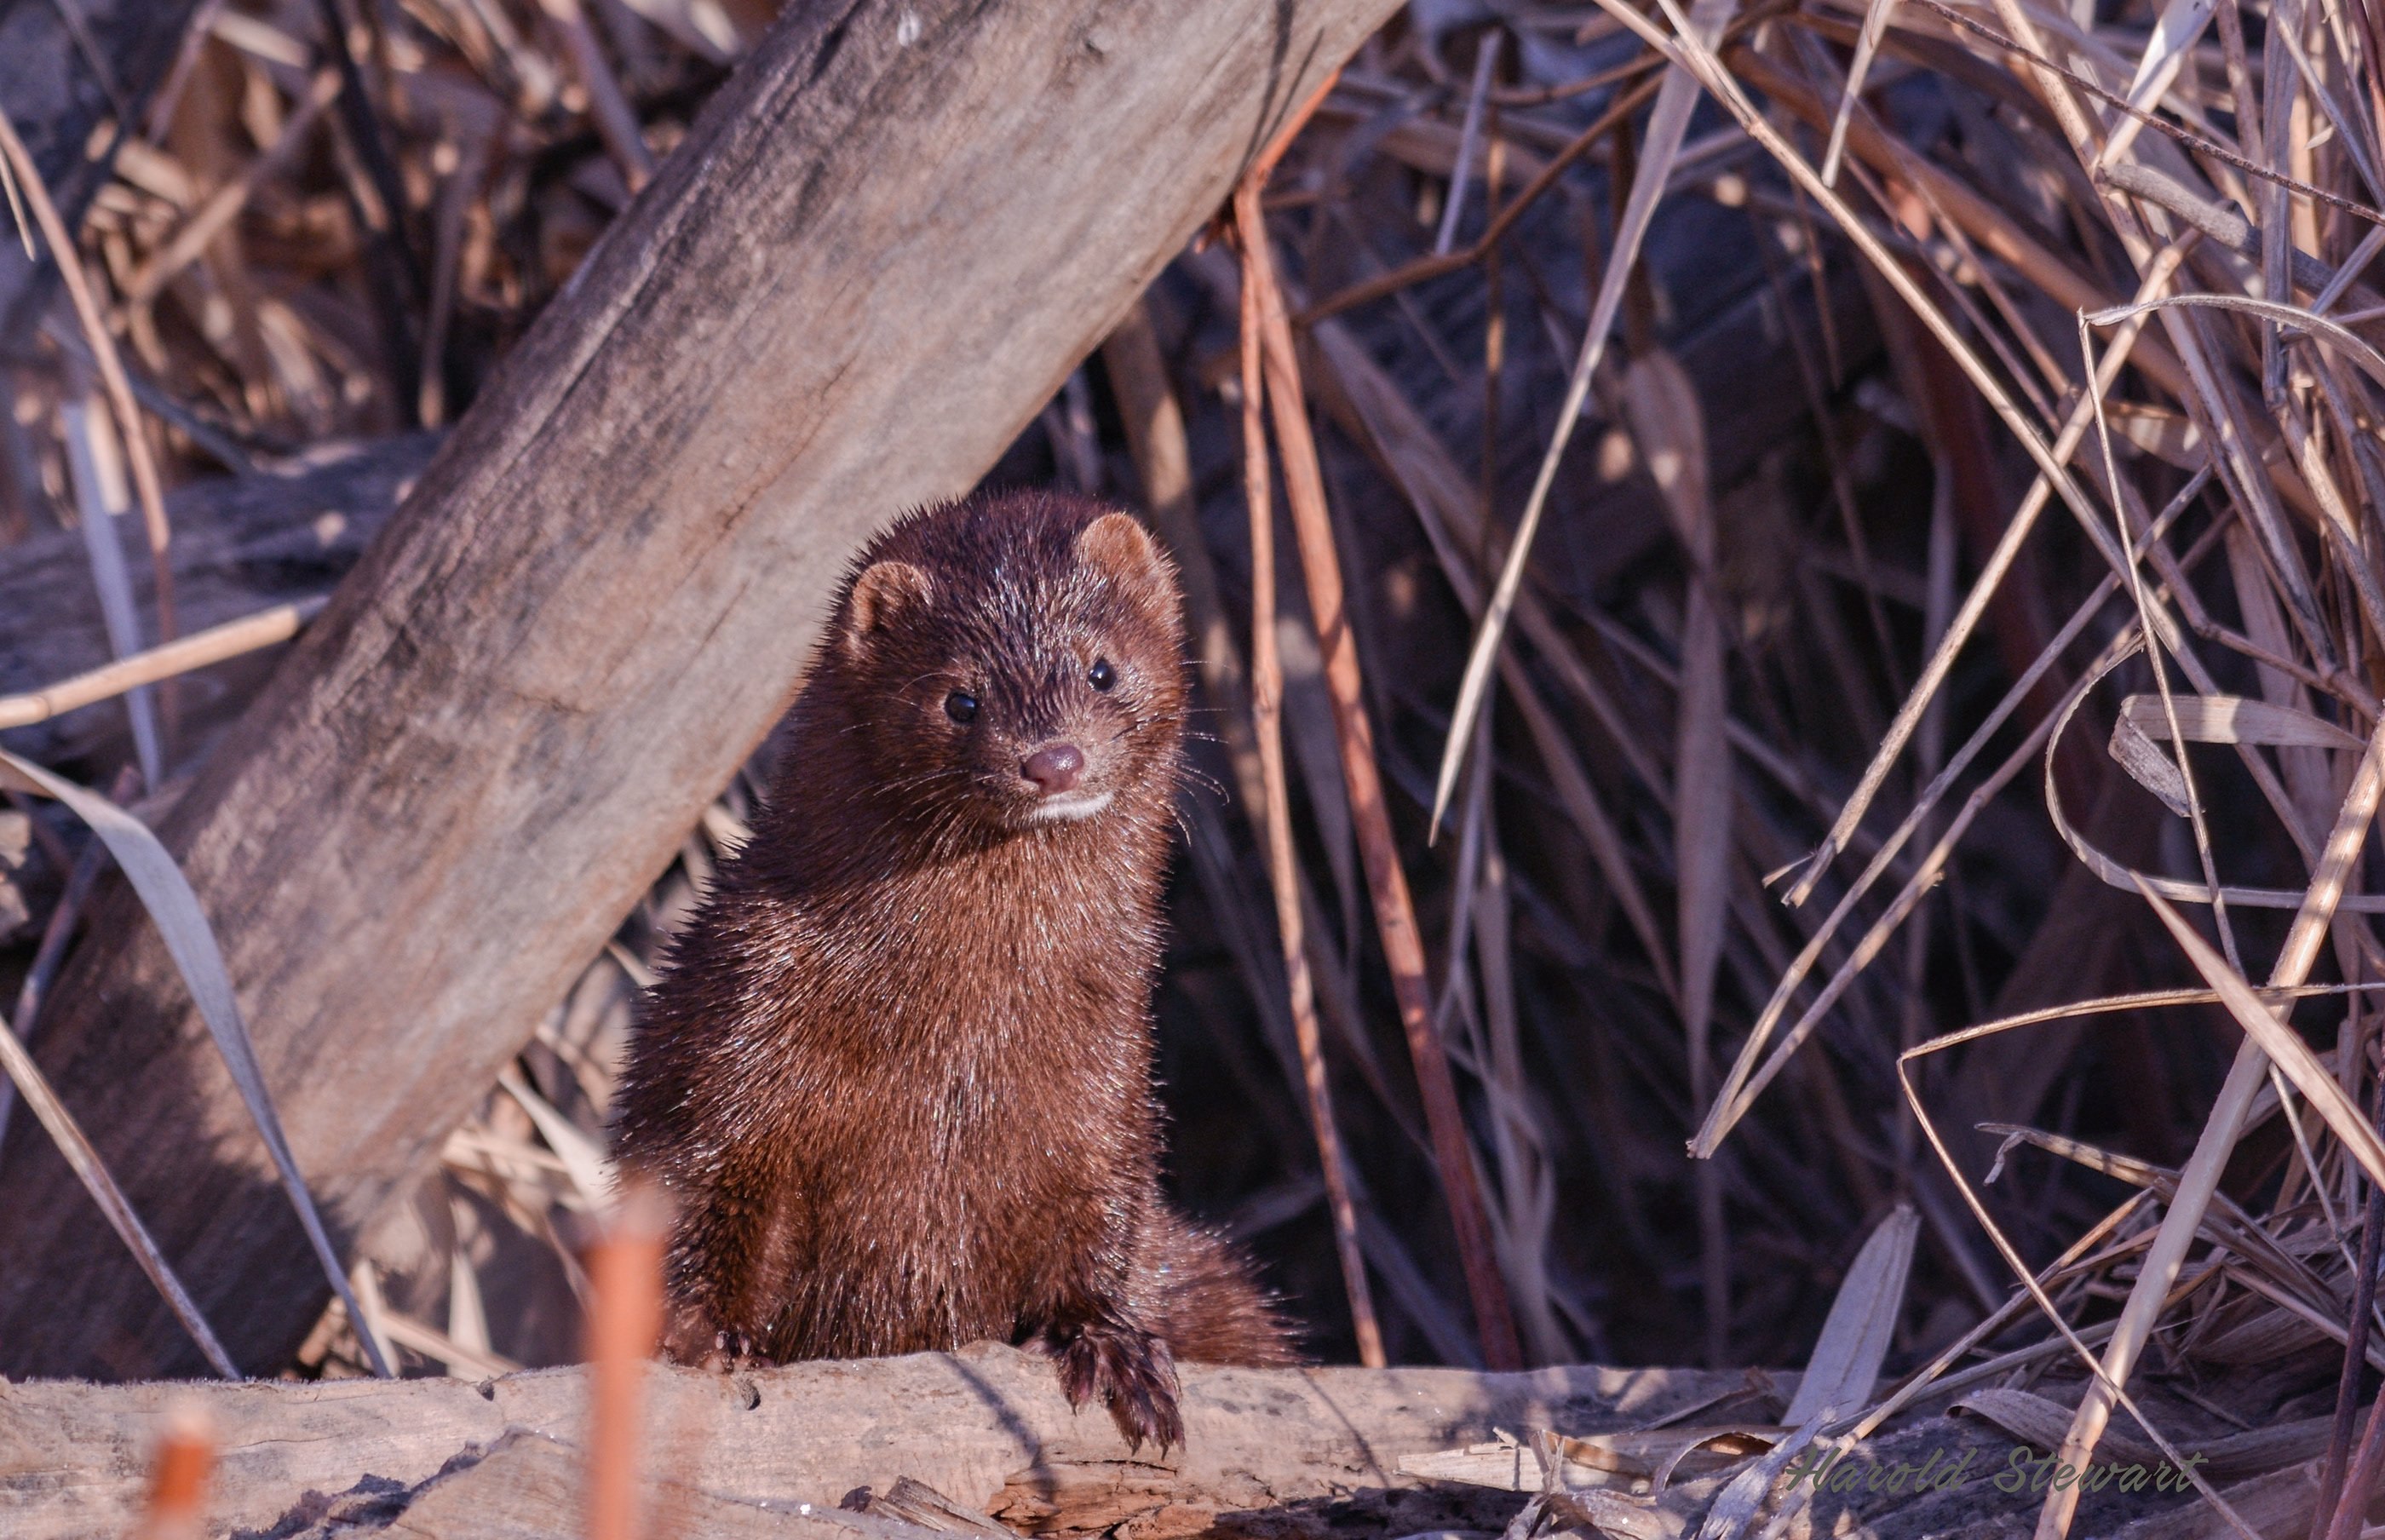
{"x": 886, "y": 242}
{"x": 986, "y": 1427}
{"x": 532, "y": 1486}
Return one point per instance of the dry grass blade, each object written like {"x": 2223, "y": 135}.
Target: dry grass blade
{"x": 2280, "y": 1042}
{"x": 1667, "y": 420}
{"x": 2236, "y": 720}
{"x": 1387, "y": 882}
{"x": 2166, "y": 53}
{"x": 56, "y": 934}
{"x": 1753, "y": 1070}
{"x": 1866, "y": 48}
{"x": 2199, "y": 1180}
{"x": 1736, "y": 1506}
{"x": 1486, "y": 60}
{"x": 183, "y": 926}
{"x": 1436, "y": 489}
{"x": 2146, "y": 626}
{"x": 1275, "y": 810}
{"x": 1687, "y": 46}
{"x": 146, "y": 486}
{"x": 1661, "y": 144}
{"x": 1854, "y": 1340}
{"x": 1841, "y": 1375}
{"x": 2368, "y": 357}
{"x": 99, "y": 488}
{"x": 2078, "y": 1341}
{"x": 2119, "y": 875}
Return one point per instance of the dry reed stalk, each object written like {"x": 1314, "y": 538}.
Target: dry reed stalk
{"x": 1675, "y": 97}
{"x": 615, "y": 119}
{"x": 625, "y": 1268}
{"x": 179, "y": 1472}
{"x": 233, "y": 639}
{"x": 146, "y": 486}
{"x": 1266, "y": 715}
{"x": 1387, "y": 882}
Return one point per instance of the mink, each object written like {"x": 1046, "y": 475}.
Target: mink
{"x": 896, "y": 1073}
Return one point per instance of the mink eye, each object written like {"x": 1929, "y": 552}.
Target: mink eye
{"x": 961, "y": 707}
{"x": 1101, "y": 675}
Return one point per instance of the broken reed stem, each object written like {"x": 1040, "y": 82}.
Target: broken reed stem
{"x": 178, "y": 1487}
{"x": 1266, "y": 715}
{"x": 233, "y": 639}
{"x": 146, "y": 485}
{"x": 1387, "y": 884}
{"x": 625, "y": 1272}
{"x": 1162, "y": 459}
{"x": 617, "y": 122}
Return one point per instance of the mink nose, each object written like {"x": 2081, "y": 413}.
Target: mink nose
{"x": 1054, "y": 768}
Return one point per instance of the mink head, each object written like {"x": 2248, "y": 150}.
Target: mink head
{"x": 1012, "y": 661}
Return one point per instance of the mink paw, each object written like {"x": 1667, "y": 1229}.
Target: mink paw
{"x": 1134, "y": 1375}
{"x": 732, "y": 1350}
{"x": 690, "y": 1336}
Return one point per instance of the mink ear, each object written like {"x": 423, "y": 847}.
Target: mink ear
{"x": 883, "y": 591}
{"x": 1117, "y": 544}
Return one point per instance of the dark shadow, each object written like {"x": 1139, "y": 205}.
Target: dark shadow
{"x": 1275, "y": 107}
{"x": 137, "y": 1069}
{"x": 1044, "y": 1482}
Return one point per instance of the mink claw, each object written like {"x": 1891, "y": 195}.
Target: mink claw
{"x": 1143, "y": 1416}
{"x": 1134, "y": 1374}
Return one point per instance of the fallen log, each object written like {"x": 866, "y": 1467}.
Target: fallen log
{"x": 981, "y": 1442}
{"x": 881, "y": 249}
{"x": 986, "y": 1427}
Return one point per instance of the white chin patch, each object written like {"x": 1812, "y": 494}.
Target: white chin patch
{"x": 1069, "y": 807}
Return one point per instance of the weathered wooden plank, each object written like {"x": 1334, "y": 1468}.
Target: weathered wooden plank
{"x": 886, "y": 242}
{"x": 986, "y": 1427}
{"x": 532, "y": 1487}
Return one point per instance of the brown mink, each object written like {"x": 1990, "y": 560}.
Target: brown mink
{"x": 897, "y": 1072}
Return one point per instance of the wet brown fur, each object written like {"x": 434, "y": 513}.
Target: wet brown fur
{"x": 897, "y": 1074}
